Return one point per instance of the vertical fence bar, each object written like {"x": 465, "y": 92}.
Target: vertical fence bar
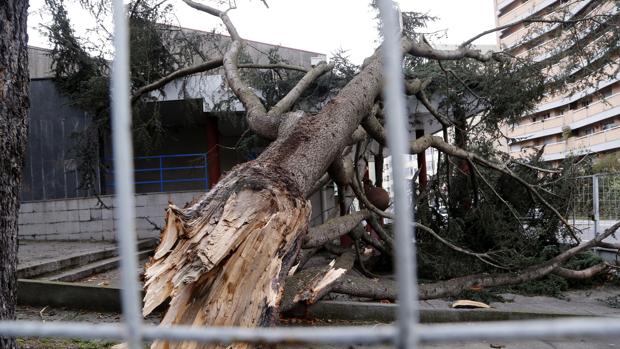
{"x": 595, "y": 205}
{"x": 397, "y": 126}
{"x": 124, "y": 177}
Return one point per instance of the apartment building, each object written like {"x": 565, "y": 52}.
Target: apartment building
{"x": 584, "y": 122}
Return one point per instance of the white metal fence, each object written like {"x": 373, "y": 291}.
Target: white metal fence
{"x": 407, "y": 334}
{"x": 595, "y": 203}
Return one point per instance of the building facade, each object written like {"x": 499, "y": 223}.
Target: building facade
{"x": 200, "y": 145}
{"x": 584, "y": 122}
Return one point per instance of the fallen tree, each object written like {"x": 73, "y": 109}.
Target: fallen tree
{"x": 224, "y": 259}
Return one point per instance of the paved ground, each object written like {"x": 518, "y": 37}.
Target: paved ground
{"x": 582, "y": 302}
{"x": 34, "y": 252}
{"x": 587, "y": 228}
{"x": 585, "y": 302}
{"x": 111, "y": 278}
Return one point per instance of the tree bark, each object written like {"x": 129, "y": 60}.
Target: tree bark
{"x": 222, "y": 260}
{"x": 13, "y": 131}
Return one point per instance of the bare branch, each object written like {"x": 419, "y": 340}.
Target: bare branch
{"x": 256, "y": 113}
{"x": 483, "y": 257}
{"x": 527, "y": 20}
{"x": 375, "y": 130}
{"x": 421, "y": 48}
{"x": 202, "y": 67}
{"x": 273, "y": 66}
{"x": 536, "y": 168}
{"x": 442, "y": 118}
{"x": 291, "y": 97}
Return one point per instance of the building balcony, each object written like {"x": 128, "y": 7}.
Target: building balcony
{"x": 525, "y": 130}
{"x": 503, "y": 3}
{"x": 528, "y": 9}
{"x": 555, "y": 101}
{"x": 595, "y": 112}
{"x": 596, "y": 142}
{"x": 523, "y": 10}
{"x": 595, "y": 108}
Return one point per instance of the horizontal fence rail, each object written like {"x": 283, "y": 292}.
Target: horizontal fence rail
{"x": 507, "y": 330}
{"x": 159, "y": 170}
{"x": 407, "y": 333}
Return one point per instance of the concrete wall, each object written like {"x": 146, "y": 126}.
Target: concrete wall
{"x": 87, "y": 219}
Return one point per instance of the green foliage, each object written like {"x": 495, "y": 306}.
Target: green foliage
{"x": 607, "y": 163}
{"x": 550, "y": 285}
{"x": 53, "y": 343}
{"x": 484, "y": 296}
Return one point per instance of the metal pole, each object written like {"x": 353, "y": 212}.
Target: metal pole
{"x": 595, "y": 204}
{"x": 397, "y": 129}
{"x": 124, "y": 174}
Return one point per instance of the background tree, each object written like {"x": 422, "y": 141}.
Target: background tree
{"x": 13, "y": 133}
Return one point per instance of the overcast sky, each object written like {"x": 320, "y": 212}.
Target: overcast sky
{"x": 316, "y": 25}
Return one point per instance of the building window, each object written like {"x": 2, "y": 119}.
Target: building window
{"x": 586, "y": 102}
{"x": 515, "y": 148}
{"x": 609, "y": 125}
{"x": 607, "y": 92}
{"x": 546, "y": 116}
{"x": 560, "y": 111}
{"x": 588, "y": 131}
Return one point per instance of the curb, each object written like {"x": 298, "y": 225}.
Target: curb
{"x": 99, "y": 298}
{"x": 69, "y": 295}
{"x": 339, "y": 310}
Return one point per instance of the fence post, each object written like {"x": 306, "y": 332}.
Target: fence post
{"x": 595, "y": 204}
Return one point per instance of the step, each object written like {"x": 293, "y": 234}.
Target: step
{"x": 84, "y": 271}
{"x": 39, "y": 269}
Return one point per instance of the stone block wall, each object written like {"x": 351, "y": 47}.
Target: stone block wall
{"x": 93, "y": 219}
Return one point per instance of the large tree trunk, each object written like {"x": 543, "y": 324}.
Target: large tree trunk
{"x": 13, "y": 127}
{"x": 223, "y": 259}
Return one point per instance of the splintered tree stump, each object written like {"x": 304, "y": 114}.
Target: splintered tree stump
{"x": 222, "y": 260}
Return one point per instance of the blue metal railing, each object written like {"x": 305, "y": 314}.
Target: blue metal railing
{"x": 167, "y": 169}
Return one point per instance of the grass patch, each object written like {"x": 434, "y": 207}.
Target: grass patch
{"x": 55, "y": 343}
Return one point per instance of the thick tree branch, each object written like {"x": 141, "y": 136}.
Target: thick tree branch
{"x": 386, "y": 289}
{"x": 415, "y": 85}
{"x": 614, "y": 246}
{"x": 310, "y": 285}
{"x": 583, "y": 274}
{"x": 455, "y": 286}
{"x": 332, "y": 229}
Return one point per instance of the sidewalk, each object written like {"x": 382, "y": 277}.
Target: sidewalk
{"x": 41, "y": 251}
